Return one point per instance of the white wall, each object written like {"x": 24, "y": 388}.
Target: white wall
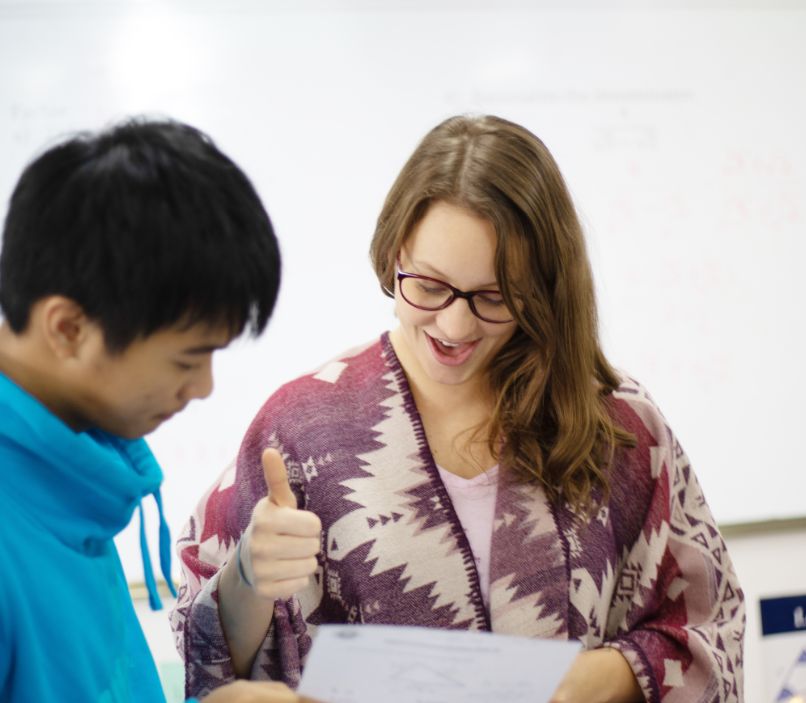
{"x": 769, "y": 564}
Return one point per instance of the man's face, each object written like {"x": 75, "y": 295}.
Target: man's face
{"x": 133, "y": 392}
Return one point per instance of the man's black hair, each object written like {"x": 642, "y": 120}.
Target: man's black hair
{"x": 145, "y": 225}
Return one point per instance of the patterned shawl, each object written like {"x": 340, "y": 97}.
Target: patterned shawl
{"x": 648, "y": 575}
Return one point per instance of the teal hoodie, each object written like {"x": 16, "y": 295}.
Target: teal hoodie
{"x": 68, "y": 630}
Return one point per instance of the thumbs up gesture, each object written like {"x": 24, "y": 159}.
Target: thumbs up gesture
{"x": 279, "y": 547}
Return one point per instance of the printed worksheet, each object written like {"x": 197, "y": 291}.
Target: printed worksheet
{"x": 371, "y": 663}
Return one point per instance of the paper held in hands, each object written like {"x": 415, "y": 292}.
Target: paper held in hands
{"x": 371, "y": 663}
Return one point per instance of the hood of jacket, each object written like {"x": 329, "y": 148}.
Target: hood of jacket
{"x": 81, "y": 486}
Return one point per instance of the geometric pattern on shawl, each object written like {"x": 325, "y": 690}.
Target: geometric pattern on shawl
{"x": 649, "y": 575}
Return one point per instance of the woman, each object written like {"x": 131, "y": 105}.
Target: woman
{"x": 481, "y": 467}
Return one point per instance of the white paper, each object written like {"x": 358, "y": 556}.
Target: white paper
{"x": 372, "y": 663}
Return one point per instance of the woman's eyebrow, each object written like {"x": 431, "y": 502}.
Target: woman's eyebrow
{"x": 436, "y": 273}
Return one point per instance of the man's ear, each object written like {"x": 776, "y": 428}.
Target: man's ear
{"x": 63, "y": 325}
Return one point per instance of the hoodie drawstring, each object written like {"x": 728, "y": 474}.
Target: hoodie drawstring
{"x": 154, "y": 600}
{"x": 165, "y": 545}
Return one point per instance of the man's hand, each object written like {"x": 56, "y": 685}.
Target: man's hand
{"x": 255, "y": 692}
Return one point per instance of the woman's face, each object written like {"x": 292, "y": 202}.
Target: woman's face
{"x": 450, "y": 346}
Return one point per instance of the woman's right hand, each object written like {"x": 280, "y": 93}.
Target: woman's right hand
{"x": 255, "y": 692}
{"x": 274, "y": 559}
{"x": 278, "y": 548}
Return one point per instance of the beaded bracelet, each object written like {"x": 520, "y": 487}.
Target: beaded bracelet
{"x": 240, "y": 567}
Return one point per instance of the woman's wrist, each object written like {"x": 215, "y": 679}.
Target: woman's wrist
{"x": 245, "y": 616}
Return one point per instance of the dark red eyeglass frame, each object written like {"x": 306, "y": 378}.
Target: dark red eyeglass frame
{"x": 455, "y": 293}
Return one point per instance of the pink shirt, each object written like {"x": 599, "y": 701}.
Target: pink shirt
{"x": 474, "y": 502}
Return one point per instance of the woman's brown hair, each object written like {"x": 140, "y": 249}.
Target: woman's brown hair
{"x": 551, "y": 380}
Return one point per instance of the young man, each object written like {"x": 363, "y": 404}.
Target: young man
{"x": 128, "y": 258}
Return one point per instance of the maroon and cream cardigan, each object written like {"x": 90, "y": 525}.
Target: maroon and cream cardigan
{"x": 648, "y": 575}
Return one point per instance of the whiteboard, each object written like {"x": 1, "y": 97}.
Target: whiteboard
{"x": 679, "y": 128}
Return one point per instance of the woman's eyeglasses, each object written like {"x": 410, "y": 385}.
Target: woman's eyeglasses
{"x": 426, "y": 293}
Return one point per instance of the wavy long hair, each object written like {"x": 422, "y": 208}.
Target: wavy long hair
{"x": 551, "y": 381}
